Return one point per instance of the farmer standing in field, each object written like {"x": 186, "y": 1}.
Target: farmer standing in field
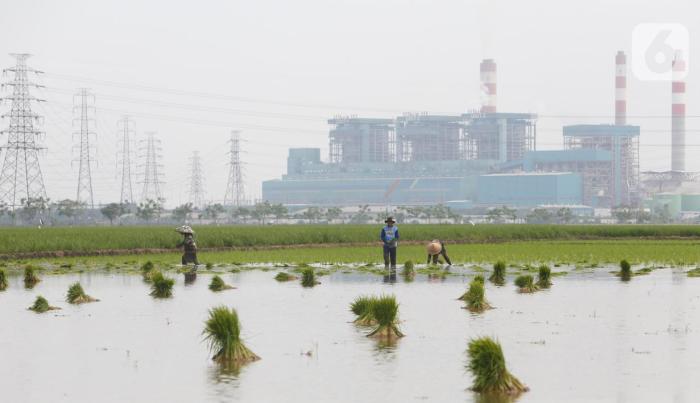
{"x": 436, "y": 248}
{"x": 189, "y": 245}
{"x": 390, "y": 238}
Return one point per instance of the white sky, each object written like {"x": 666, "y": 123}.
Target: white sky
{"x": 279, "y": 69}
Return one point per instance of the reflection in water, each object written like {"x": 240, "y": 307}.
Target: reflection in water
{"x": 190, "y": 277}
{"x": 494, "y": 398}
{"x": 390, "y": 278}
{"x": 225, "y": 381}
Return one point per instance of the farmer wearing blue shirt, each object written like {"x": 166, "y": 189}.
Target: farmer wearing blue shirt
{"x": 390, "y": 238}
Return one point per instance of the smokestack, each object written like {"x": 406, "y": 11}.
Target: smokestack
{"x": 488, "y": 85}
{"x": 678, "y": 113}
{"x": 620, "y": 88}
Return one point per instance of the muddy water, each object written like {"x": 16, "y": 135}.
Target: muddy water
{"x": 590, "y": 338}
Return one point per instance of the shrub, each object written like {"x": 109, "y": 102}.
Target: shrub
{"x": 222, "y": 331}
{"x": 488, "y": 367}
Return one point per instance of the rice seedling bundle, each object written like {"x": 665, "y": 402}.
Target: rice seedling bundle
{"x": 308, "y": 277}
{"x": 526, "y": 284}
{"x": 488, "y": 367}
{"x": 385, "y": 311}
{"x": 544, "y": 276}
{"x": 625, "y": 270}
{"x": 30, "y": 278}
{"x": 76, "y": 295}
{"x": 362, "y": 308}
{"x": 3, "y": 280}
{"x": 41, "y": 305}
{"x": 161, "y": 286}
{"x": 408, "y": 269}
{"x": 284, "y": 276}
{"x": 498, "y": 276}
{"x": 218, "y": 284}
{"x": 222, "y": 332}
{"x": 476, "y": 302}
{"x": 147, "y": 271}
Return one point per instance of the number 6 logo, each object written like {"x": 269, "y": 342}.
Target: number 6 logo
{"x": 653, "y": 49}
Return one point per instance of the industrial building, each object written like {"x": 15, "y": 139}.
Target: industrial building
{"x": 482, "y": 158}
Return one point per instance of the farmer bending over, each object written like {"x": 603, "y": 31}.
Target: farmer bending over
{"x": 390, "y": 238}
{"x": 189, "y": 246}
{"x": 436, "y": 248}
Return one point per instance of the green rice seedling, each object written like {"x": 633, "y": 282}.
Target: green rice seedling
{"x": 526, "y": 284}
{"x": 625, "y": 270}
{"x": 284, "y": 276}
{"x": 209, "y": 265}
{"x": 30, "y": 278}
{"x": 3, "y": 280}
{"x": 41, "y": 305}
{"x": 477, "y": 279}
{"x": 147, "y": 271}
{"x": 308, "y": 277}
{"x": 476, "y": 302}
{"x": 544, "y": 276}
{"x": 408, "y": 269}
{"x": 161, "y": 286}
{"x": 498, "y": 276}
{"x": 218, "y": 284}
{"x": 362, "y": 308}
{"x": 222, "y": 331}
{"x": 488, "y": 367}
{"x": 694, "y": 272}
{"x": 76, "y": 295}
{"x": 385, "y": 311}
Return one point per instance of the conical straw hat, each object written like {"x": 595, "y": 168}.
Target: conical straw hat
{"x": 434, "y": 248}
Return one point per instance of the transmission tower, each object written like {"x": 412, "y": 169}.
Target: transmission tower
{"x": 126, "y": 128}
{"x": 20, "y": 178}
{"x": 235, "y": 193}
{"x": 150, "y": 147}
{"x": 196, "y": 187}
{"x": 84, "y": 103}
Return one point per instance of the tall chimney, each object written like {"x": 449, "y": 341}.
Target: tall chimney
{"x": 678, "y": 113}
{"x": 488, "y": 85}
{"x": 620, "y": 88}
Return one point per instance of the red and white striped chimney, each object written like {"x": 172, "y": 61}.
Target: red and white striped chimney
{"x": 620, "y": 88}
{"x": 488, "y": 86}
{"x": 678, "y": 113}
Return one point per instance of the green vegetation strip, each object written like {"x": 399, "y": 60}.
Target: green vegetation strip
{"x": 86, "y": 240}
{"x": 587, "y": 253}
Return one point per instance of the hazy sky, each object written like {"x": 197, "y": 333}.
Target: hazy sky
{"x": 276, "y": 70}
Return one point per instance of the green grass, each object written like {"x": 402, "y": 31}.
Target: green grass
{"x": 92, "y": 239}
{"x": 76, "y": 295}
{"x": 222, "y": 331}
{"x": 218, "y": 284}
{"x": 3, "y": 280}
{"x": 488, "y": 367}
{"x": 385, "y": 311}
{"x": 363, "y": 310}
{"x": 498, "y": 276}
{"x": 161, "y": 286}
{"x": 41, "y": 305}
{"x": 544, "y": 276}
{"x": 525, "y": 283}
{"x": 308, "y": 277}
{"x": 30, "y": 277}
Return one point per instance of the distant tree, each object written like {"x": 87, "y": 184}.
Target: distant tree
{"x": 33, "y": 206}
{"x": 564, "y": 215}
{"x": 539, "y": 216}
{"x": 240, "y": 213}
{"x": 261, "y": 210}
{"x": 494, "y": 215}
{"x": 279, "y": 211}
{"x": 509, "y": 213}
{"x": 112, "y": 211}
{"x": 312, "y": 214}
{"x": 362, "y": 215}
{"x": 183, "y": 211}
{"x": 213, "y": 211}
{"x": 623, "y": 213}
{"x": 69, "y": 208}
{"x": 333, "y": 213}
{"x": 149, "y": 210}
{"x": 455, "y": 217}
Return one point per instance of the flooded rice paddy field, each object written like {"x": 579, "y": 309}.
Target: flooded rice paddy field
{"x": 590, "y": 338}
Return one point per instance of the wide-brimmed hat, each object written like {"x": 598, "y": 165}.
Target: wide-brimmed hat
{"x": 184, "y": 229}
{"x": 434, "y": 248}
{"x": 389, "y": 219}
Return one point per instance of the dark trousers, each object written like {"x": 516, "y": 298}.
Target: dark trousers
{"x": 389, "y": 256}
{"x": 189, "y": 257}
{"x": 442, "y": 253}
